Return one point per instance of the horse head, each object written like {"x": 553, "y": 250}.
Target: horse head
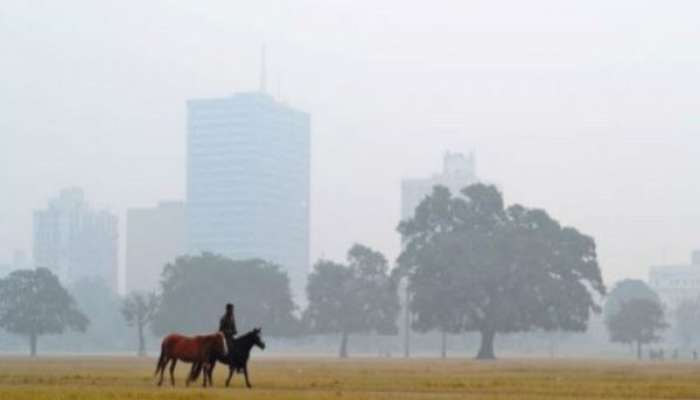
{"x": 257, "y": 339}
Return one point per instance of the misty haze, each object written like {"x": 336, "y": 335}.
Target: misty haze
{"x": 380, "y": 199}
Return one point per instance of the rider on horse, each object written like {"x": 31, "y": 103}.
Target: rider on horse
{"x": 227, "y": 326}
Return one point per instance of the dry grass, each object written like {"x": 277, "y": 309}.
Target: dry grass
{"x": 280, "y": 378}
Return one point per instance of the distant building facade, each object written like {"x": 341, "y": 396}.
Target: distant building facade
{"x": 76, "y": 241}
{"x": 676, "y": 283}
{"x": 458, "y": 171}
{"x": 248, "y": 178}
{"x": 155, "y": 236}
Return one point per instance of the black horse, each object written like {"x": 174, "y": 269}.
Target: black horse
{"x": 236, "y": 359}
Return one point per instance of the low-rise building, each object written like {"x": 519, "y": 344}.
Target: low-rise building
{"x": 676, "y": 283}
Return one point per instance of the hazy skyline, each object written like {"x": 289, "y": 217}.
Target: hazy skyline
{"x": 587, "y": 109}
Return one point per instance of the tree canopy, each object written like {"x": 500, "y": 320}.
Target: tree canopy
{"x": 475, "y": 265}
{"x": 639, "y": 320}
{"x": 196, "y": 288}
{"x": 357, "y": 297}
{"x": 33, "y": 303}
{"x": 626, "y": 290}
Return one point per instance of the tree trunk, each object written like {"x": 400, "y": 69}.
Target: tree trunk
{"x": 443, "y": 344}
{"x": 406, "y": 327}
{"x": 142, "y": 342}
{"x": 486, "y": 349}
{"x": 32, "y": 344}
{"x": 344, "y": 346}
{"x": 639, "y": 350}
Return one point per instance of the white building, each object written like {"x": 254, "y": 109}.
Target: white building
{"x": 155, "y": 236}
{"x": 458, "y": 171}
{"x": 676, "y": 283}
{"x": 248, "y": 177}
{"x": 75, "y": 241}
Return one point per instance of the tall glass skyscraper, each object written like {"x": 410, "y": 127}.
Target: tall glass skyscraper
{"x": 248, "y": 172}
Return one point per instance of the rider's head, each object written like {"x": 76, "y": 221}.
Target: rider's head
{"x": 229, "y": 308}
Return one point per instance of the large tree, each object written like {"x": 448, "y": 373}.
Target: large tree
{"x": 501, "y": 269}
{"x": 626, "y": 290}
{"x": 33, "y": 303}
{"x": 432, "y": 296}
{"x": 196, "y": 288}
{"x": 138, "y": 310}
{"x": 639, "y": 321}
{"x": 359, "y": 297}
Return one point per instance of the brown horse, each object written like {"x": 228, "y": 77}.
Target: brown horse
{"x": 196, "y": 350}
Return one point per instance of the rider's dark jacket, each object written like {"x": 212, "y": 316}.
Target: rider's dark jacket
{"x": 227, "y": 325}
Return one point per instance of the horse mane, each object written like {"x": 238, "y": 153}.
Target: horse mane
{"x": 246, "y": 335}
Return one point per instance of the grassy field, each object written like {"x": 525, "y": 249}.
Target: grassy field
{"x": 282, "y": 378}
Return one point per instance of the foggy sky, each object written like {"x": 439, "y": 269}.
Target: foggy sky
{"x": 586, "y": 108}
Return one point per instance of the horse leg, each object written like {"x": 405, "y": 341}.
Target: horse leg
{"x": 161, "y": 368}
{"x": 190, "y": 375}
{"x": 194, "y": 372}
{"x": 172, "y": 371}
{"x": 159, "y": 364}
{"x": 211, "y": 372}
{"x": 245, "y": 373}
{"x": 230, "y": 374}
{"x": 207, "y": 374}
